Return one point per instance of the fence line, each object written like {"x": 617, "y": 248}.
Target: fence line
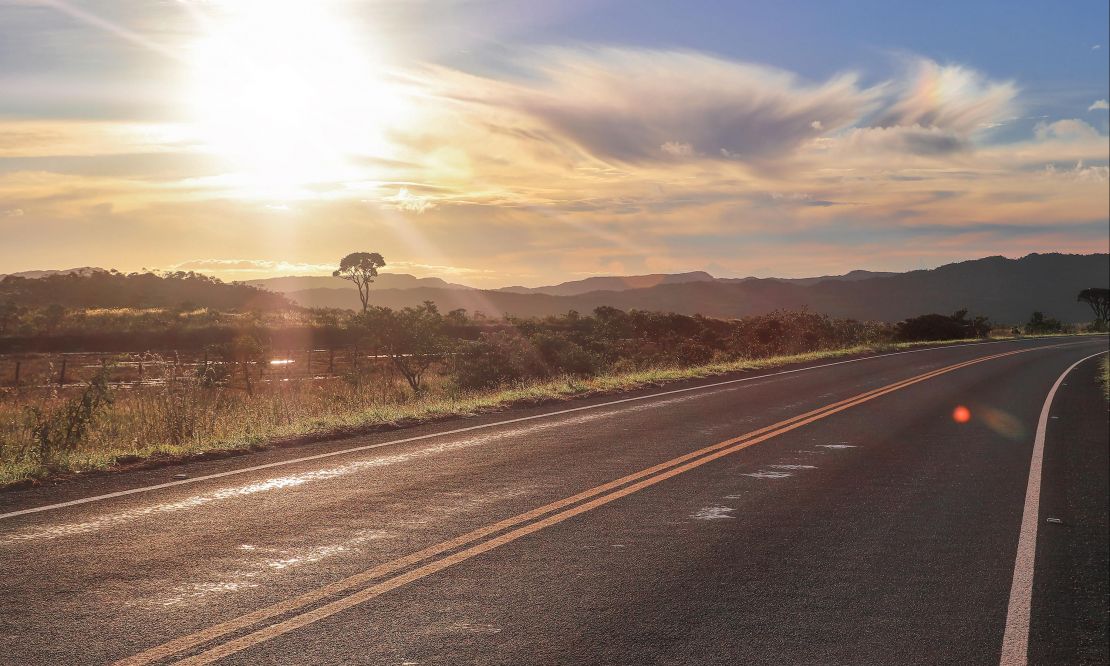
{"x": 65, "y": 370}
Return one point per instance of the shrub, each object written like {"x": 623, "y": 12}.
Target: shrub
{"x": 412, "y": 338}
{"x": 57, "y": 431}
{"x": 561, "y": 355}
{"x": 1040, "y": 324}
{"x": 940, "y": 327}
{"x": 498, "y": 358}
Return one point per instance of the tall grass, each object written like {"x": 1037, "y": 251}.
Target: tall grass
{"x": 181, "y": 419}
{"x": 1104, "y": 377}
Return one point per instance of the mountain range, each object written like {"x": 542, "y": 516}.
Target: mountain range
{"x": 1006, "y": 290}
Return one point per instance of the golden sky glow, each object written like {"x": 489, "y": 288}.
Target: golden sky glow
{"x": 273, "y": 137}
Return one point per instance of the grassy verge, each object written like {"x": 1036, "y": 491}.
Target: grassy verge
{"x": 1104, "y": 376}
{"x": 165, "y": 425}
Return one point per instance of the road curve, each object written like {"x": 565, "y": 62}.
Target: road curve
{"x": 835, "y": 513}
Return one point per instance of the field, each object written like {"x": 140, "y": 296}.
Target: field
{"x": 67, "y": 412}
{"x": 168, "y": 418}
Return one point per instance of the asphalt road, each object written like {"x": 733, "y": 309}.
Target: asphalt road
{"x": 837, "y": 514}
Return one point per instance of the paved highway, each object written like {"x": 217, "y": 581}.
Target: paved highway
{"x": 842, "y": 513}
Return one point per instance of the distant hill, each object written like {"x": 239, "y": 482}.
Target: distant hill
{"x": 852, "y": 276}
{"x": 1006, "y": 290}
{"x": 34, "y": 275}
{"x": 612, "y": 283}
{"x": 383, "y": 281}
{"x": 110, "y": 289}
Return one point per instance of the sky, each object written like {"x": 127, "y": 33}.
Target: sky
{"x": 496, "y": 143}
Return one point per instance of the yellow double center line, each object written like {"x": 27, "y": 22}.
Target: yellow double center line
{"x": 601, "y": 495}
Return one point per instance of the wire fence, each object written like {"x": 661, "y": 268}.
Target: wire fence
{"x": 137, "y": 369}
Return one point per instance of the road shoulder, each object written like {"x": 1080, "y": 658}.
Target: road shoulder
{"x": 1071, "y": 585}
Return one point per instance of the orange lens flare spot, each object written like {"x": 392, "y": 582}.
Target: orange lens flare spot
{"x": 961, "y": 414}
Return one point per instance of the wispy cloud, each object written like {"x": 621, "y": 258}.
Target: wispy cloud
{"x": 642, "y": 105}
{"x": 1099, "y": 104}
{"x": 407, "y": 201}
{"x": 949, "y": 98}
{"x": 251, "y": 266}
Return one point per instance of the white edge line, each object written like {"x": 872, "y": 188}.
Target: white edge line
{"x": 356, "y": 449}
{"x": 1015, "y": 641}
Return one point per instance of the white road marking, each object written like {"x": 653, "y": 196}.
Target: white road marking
{"x": 1015, "y": 642}
{"x": 794, "y": 466}
{"x": 106, "y": 520}
{"x": 367, "y": 447}
{"x": 837, "y": 446}
{"x": 768, "y": 474}
{"x": 713, "y": 513}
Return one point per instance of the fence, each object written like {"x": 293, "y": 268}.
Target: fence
{"x": 75, "y": 369}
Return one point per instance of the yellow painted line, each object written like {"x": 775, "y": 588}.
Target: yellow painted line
{"x": 654, "y": 474}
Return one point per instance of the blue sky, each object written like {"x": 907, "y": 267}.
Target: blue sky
{"x": 524, "y": 142}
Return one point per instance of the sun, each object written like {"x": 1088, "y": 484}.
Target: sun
{"x": 288, "y": 93}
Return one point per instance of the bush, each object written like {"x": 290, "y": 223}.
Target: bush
{"x": 498, "y": 358}
{"x": 940, "y": 327}
{"x": 59, "y": 430}
{"x": 412, "y": 338}
{"x": 1040, "y": 324}
{"x": 564, "y": 356}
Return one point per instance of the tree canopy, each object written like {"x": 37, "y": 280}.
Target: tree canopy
{"x": 360, "y": 268}
{"x": 1099, "y": 300}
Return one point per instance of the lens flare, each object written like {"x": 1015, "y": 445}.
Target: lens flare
{"x": 961, "y": 414}
{"x": 288, "y": 92}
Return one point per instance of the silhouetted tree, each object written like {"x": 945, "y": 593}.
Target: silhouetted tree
{"x": 1099, "y": 300}
{"x": 360, "y": 268}
{"x": 1038, "y": 323}
{"x": 941, "y": 327}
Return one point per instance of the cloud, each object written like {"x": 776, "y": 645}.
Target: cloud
{"x": 677, "y": 149}
{"x": 911, "y": 140}
{"x": 250, "y": 266}
{"x": 1095, "y": 173}
{"x": 1070, "y": 129}
{"x": 1099, "y": 105}
{"x": 638, "y": 105}
{"x": 441, "y": 270}
{"x": 949, "y": 97}
{"x": 407, "y": 201}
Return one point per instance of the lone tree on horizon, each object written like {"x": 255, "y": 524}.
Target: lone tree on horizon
{"x": 360, "y": 268}
{"x": 1099, "y": 300}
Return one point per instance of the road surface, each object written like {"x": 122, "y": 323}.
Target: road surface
{"x": 833, "y": 514}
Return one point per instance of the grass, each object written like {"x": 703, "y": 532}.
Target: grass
{"x": 1104, "y": 377}
{"x": 178, "y": 422}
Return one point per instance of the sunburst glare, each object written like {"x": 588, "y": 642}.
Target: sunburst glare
{"x": 288, "y": 93}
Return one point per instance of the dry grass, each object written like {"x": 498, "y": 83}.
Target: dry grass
{"x": 188, "y": 418}
{"x": 1104, "y": 377}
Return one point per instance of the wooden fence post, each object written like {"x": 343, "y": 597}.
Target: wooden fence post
{"x": 16, "y": 382}
{"x": 62, "y": 374}
{"x": 331, "y": 361}
{"x": 308, "y": 364}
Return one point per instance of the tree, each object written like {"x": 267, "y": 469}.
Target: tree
{"x": 360, "y": 268}
{"x": 941, "y": 327}
{"x": 1099, "y": 300}
{"x": 9, "y": 316}
{"x": 1039, "y": 323}
{"x": 412, "y": 338}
